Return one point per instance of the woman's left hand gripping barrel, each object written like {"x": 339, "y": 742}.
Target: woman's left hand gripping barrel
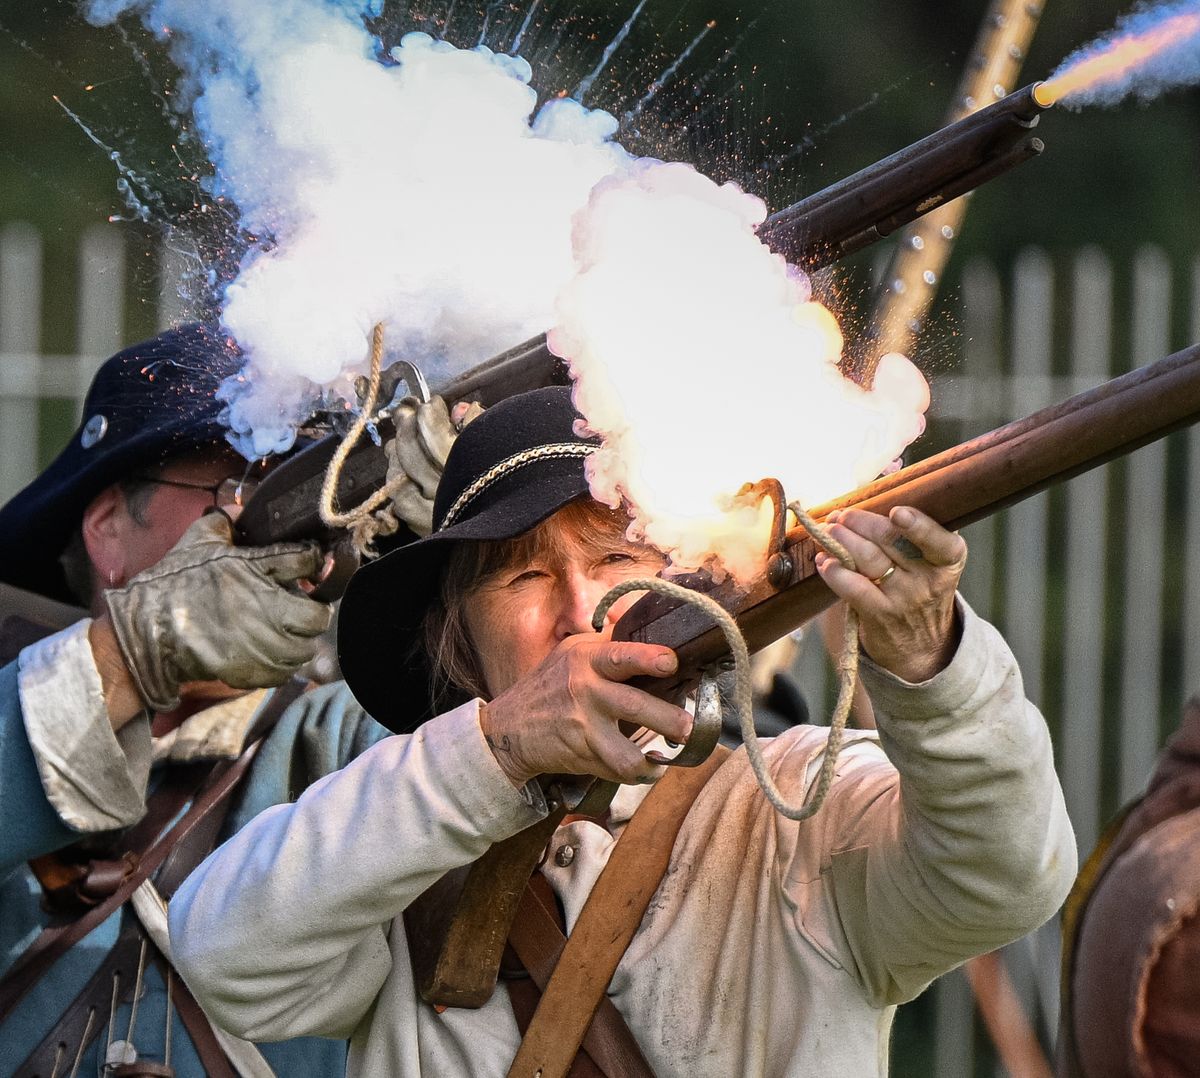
{"x": 908, "y": 567}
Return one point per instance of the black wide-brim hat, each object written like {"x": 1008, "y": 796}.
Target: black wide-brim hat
{"x": 513, "y": 467}
{"x": 150, "y": 402}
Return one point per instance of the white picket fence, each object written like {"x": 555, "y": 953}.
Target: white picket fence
{"x": 27, "y": 375}
{"x": 1085, "y": 594}
{"x": 1053, "y": 572}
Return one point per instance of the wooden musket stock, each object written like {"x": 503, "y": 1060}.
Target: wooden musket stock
{"x": 964, "y": 484}
{"x": 458, "y": 967}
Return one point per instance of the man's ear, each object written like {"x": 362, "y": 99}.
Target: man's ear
{"x": 105, "y": 526}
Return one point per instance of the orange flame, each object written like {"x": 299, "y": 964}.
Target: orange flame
{"x": 1123, "y": 56}
{"x": 703, "y": 360}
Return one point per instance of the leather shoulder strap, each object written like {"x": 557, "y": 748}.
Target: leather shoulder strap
{"x": 609, "y": 1048}
{"x": 608, "y": 922}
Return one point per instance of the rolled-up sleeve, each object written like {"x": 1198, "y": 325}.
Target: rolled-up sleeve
{"x": 94, "y": 778}
{"x": 339, "y": 865}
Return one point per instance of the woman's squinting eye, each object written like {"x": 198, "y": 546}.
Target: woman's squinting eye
{"x": 526, "y": 577}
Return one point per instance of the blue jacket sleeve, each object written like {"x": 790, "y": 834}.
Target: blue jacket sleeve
{"x": 318, "y": 734}
{"x": 29, "y": 826}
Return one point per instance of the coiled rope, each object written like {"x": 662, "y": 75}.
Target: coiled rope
{"x": 743, "y": 696}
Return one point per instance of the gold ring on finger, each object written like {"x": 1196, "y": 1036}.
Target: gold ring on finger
{"x": 879, "y": 581}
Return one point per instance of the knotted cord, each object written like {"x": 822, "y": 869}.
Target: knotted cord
{"x": 364, "y": 523}
{"x": 743, "y": 696}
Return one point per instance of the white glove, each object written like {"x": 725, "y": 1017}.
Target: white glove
{"x": 212, "y": 611}
{"x": 417, "y": 455}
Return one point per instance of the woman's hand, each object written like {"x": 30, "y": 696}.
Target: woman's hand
{"x": 562, "y": 718}
{"x": 908, "y": 571}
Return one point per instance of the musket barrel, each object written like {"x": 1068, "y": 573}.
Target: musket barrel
{"x": 963, "y": 484}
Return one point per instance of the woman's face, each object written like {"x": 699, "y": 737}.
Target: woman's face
{"x": 516, "y": 616}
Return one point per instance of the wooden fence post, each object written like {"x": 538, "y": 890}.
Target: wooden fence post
{"x": 1141, "y": 537}
{"x": 1086, "y": 564}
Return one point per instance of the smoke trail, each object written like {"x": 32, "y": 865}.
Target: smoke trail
{"x": 135, "y": 190}
{"x": 491, "y": 10}
{"x": 515, "y": 47}
{"x": 585, "y": 85}
{"x": 665, "y": 78}
{"x": 1151, "y": 50}
{"x": 446, "y": 22}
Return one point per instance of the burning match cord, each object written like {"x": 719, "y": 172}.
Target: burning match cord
{"x": 743, "y": 693}
{"x": 364, "y": 527}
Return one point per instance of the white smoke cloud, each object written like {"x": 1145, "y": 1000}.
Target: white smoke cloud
{"x": 1173, "y": 26}
{"x": 423, "y": 194}
{"x": 427, "y": 194}
{"x": 702, "y": 360}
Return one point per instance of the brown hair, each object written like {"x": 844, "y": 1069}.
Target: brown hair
{"x": 452, "y": 654}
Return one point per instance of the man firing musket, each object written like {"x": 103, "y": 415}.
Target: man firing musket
{"x": 148, "y": 703}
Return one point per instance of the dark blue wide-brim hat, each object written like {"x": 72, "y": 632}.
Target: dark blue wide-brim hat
{"x": 513, "y": 467}
{"x": 146, "y": 404}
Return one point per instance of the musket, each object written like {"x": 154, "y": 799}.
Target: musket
{"x": 813, "y": 233}
{"x": 457, "y": 929}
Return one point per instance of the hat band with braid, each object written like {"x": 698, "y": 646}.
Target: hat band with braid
{"x": 556, "y": 451}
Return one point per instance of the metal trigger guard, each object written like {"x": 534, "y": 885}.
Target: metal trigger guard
{"x": 706, "y": 724}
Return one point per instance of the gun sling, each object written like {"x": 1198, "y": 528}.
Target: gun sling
{"x": 574, "y": 972}
{"x": 178, "y": 851}
{"x": 609, "y": 1049}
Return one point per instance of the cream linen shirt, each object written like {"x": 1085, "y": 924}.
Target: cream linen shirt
{"x": 770, "y": 948}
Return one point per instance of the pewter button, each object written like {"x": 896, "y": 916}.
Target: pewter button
{"x": 564, "y": 855}
{"x": 95, "y": 429}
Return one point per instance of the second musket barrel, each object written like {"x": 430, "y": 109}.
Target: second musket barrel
{"x": 898, "y": 189}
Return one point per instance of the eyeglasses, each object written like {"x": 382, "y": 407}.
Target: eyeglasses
{"x": 229, "y": 492}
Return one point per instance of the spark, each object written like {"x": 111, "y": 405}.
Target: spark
{"x": 809, "y": 141}
{"x": 723, "y": 61}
